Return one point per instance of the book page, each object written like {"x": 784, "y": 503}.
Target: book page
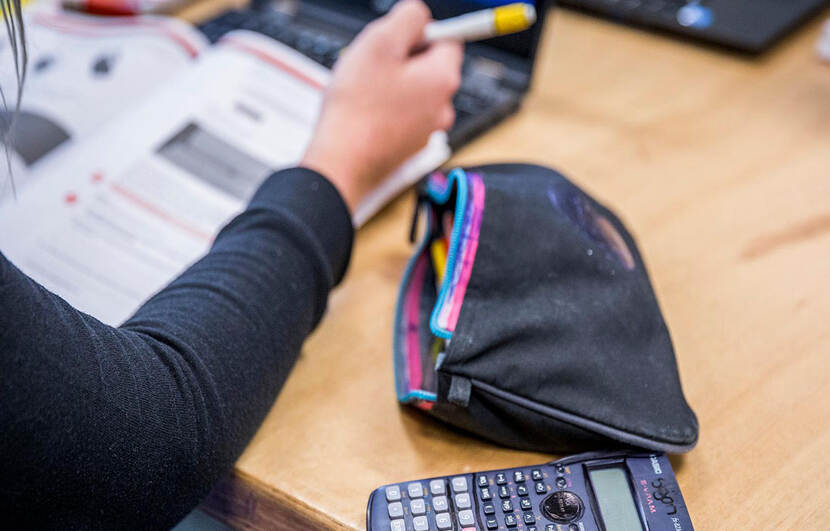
{"x": 83, "y": 72}
{"x": 117, "y": 218}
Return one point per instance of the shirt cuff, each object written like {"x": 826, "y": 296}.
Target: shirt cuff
{"x": 313, "y": 201}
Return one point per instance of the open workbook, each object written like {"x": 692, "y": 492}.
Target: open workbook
{"x": 137, "y": 141}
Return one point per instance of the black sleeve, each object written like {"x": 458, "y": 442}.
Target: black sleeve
{"x": 129, "y": 427}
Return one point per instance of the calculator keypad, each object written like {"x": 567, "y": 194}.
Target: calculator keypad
{"x": 489, "y": 501}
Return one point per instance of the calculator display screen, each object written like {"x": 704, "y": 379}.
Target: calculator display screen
{"x": 613, "y": 495}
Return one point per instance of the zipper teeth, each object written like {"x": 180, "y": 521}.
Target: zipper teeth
{"x": 456, "y": 230}
{"x": 459, "y": 176}
{"x": 399, "y": 305}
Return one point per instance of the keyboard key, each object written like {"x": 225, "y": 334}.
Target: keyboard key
{"x": 397, "y": 525}
{"x": 415, "y": 490}
{"x": 536, "y": 474}
{"x": 459, "y": 484}
{"x": 393, "y": 493}
{"x": 504, "y": 492}
{"x": 510, "y": 520}
{"x": 466, "y": 517}
{"x": 489, "y": 508}
{"x": 501, "y": 479}
{"x": 420, "y": 523}
{"x": 437, "y": 487}
{"x": 492, "y": 523}
{"x": 395, "y": 510}
{"x": 521, "y": 490}
{"x": 529, "y": 518}
{"x": 540, "y": 488}
{"x": 485, "y": 494}
{"x": 443, "y": 521}
{"x": 417, "y": 506}
{"x": 526, "y": 504}
{"x": 483, "y": 481}
{"x": 462, "y": 501}
{"x": 518, "y": 476}
{"x": 507, "y": 506}
{"x": 439, "y": 504}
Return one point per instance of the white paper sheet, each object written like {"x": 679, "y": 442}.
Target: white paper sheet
{"x": 83, "y": 72}
{"x": 113, "y": 220}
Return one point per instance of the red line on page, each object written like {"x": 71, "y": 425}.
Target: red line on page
{"x": 86, "y": 27}
{"x": 166, "y": 216}
{"x": 259, "y": 54}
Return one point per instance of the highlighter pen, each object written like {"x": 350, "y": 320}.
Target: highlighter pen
{"x": 483, "y": 24}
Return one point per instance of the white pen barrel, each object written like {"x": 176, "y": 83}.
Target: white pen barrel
{"x": 469, "y": 27}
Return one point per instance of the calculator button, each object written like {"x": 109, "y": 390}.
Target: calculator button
{"x": 504, "y": 492}
{"x": 526, "y": 504}
{"x": 437, "y": 487}
{"x": 531, "y": 528}
{"x": 518, "y": 476}
{"x": 560, "y": 469}
{"x": 417, "y": 506}
{"x": 540, "y": 488}
{"x": 492, "y": 523}
{"x": 420, "y": 523}
{"x": 529, "y": 518}
{"x": 397, "y": 525}
{"x": 562, "y": 506}
{"x": 489, "y": 508}
{"x": 415, "y": 490}
{"x": 439, "y": 503}
{"x": 550, "y": 527}
{"x": 521, "y": 490}
{"x": 466, "y": 517}
{"x": 483, "y": 481}
{"x": 501, "y": 479}
{"x": 485, "y": 494}
{"x": 459, "y": 484}
{"x": 462, "y": 501}
{"x": 395, "y": 510}
{"x": 561, "y": 483}
{"x": 443, "y": 521}
{"x": 573, "y": 527}
{"x": 507, "y": 506}
{"x": 393, "y": 493}
{"x": 536, "y": 474}
{"x": 510, "y": 520}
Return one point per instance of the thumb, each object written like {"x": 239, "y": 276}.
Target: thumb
{"x": 403, "y": 27}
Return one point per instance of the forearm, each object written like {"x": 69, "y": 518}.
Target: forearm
{"x": 132, "y": 425}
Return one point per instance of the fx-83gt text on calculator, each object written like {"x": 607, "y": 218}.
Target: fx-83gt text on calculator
{"x": 607, "y": 491}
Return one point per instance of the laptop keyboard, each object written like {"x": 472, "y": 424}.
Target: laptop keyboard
{"x": 481, "y": 101}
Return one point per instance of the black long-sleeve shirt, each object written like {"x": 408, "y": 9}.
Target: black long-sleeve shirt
{"x": 129, "y": 427}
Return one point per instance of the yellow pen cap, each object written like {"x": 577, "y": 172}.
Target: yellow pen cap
{"x": 513, "y": 18}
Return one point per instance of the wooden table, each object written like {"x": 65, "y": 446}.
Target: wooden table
{"x": 721, "y": 167}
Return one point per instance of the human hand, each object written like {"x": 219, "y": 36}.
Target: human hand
{"x": 384, "y": 102}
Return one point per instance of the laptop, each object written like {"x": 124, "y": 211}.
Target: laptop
{"x": 750, "y": 26}
{"x": 496, "y": 73}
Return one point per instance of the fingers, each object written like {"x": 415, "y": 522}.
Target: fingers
{"x": 402, "y": 29}
{"x": 436, "y": 73}
{"x": 446, "y": 118}
{"x": 439, "y": 67}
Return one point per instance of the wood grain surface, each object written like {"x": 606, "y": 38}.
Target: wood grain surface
{"x": 720, "y": 166}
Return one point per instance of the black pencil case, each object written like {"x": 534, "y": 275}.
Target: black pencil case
{"x": 527, "y": 317}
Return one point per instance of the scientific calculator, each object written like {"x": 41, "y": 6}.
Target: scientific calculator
{"x": 598, "y": 491}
